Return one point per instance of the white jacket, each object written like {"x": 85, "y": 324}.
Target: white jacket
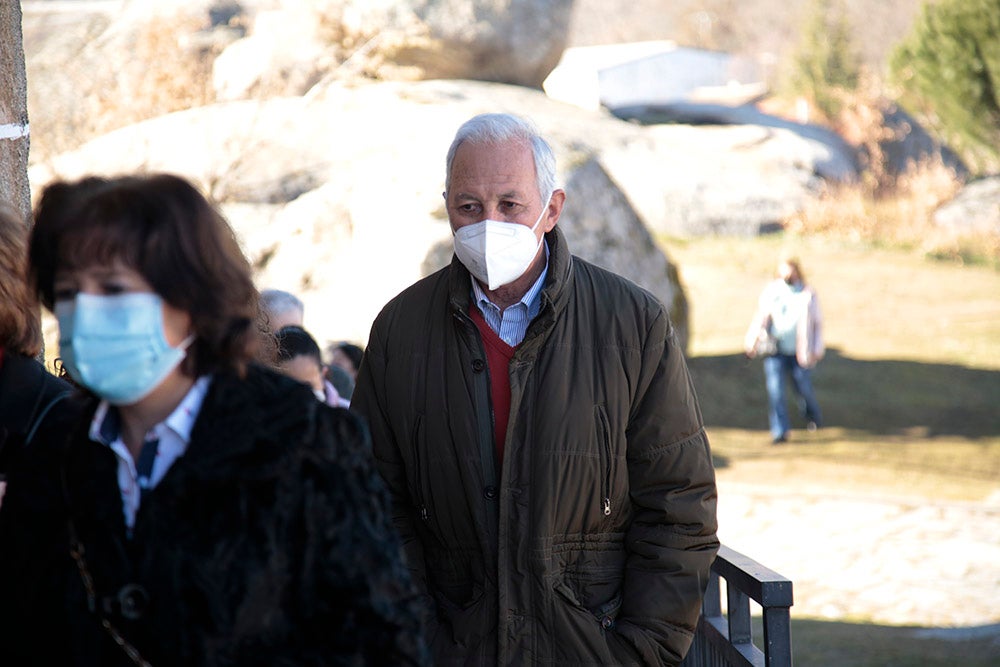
{"x": 809, "y": 348}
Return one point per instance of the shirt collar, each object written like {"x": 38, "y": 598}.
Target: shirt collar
{"x": 530, "y": 298}
{"x": 105, "y": 427}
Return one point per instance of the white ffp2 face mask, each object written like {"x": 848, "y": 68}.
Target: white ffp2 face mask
{"x": 498, "y": 253}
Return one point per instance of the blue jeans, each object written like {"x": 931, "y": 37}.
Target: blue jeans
{"x": 776, "y": 369}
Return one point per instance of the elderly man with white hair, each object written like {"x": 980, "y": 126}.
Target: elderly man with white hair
{"x": 534, "y": 419}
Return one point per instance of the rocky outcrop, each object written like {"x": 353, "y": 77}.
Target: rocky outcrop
{"x": 186, "y": 53}
{"x": 284, "y": 53}
{"x": 97, "y": 66}
{"x": 737, "y": 180}
{"x": 292, "y": 46}
{"x": 361, "y": 166}
{"x": 742, "y": 173}
{"x": 975, "y": 209}
{"x": 601, "y": 225}
{"x": 336, "y": 199}
{"x": 908, "y": 144}
{"x": 509, "y": 41}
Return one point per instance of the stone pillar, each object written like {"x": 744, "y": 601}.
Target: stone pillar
{"x": 14, "y": 137}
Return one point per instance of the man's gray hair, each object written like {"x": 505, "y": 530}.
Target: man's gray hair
{"x": 279, "y": 302}
{"x": 491, "y": 128}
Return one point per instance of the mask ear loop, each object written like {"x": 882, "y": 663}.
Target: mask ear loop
{"x": 186, "y": 343}
{"x": 545, "y": 210}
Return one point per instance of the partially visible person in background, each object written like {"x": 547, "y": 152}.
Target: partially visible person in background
{"x": 206, "y": 510}
{"x": 786, "y": 330}
{"x": 299, "y": 358}
{"x": 340, "y": 379}
{"x": 28, "y": 393}
{"x": 282, "y": 309}
{"x": 342, "y": 364}
{"x": 347, "y": 356}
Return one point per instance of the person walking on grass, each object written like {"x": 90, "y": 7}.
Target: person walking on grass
{"x": 787, "y": 332}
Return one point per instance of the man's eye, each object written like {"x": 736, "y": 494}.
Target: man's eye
{"x": 63, "y": 293}
{"x": 113, "y": 288}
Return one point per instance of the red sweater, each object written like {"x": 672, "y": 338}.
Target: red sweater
{"x": 498, "y": 356}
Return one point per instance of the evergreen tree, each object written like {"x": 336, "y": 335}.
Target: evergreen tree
{"x": 948, "y": 70}
{"x": 826, "y": 63}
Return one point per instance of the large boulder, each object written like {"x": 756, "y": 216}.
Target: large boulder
{"x": 743, "y": 173}
{"x": 335, "y": 198}
{"x": 97, "y": 66}
{"x": 907, "y": 144}
{"x": 293, "y": 44}
{"x": 975, "y": 209}
{"x": 284, "y": 53}
{"x": 510, "y": 41}
{"x": 601, "y": 225}
{"x": 733, "y": 180}
{"x": 742, "y": 179}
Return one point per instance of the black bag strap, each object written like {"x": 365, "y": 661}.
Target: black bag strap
{"x": 78, "y": 554}
{"x": 22, "y": 393}
{"x": 40, "y": 417}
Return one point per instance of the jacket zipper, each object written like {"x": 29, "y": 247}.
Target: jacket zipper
{"x": 419, "y": 475}
{"x": 602, "y": 422}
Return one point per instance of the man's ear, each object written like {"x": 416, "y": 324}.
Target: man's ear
{"x": 554, "y": 209}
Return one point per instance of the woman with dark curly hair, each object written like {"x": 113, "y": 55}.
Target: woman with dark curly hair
{"x": 207, "y": 510}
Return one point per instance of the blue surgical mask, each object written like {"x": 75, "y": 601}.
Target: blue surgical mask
{"x": 115, "y": 345}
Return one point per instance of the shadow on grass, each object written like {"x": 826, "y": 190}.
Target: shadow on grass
{"x": 825, "y": 643}
{"x": 883, "y": 397}
{"x": 720, "y": 461}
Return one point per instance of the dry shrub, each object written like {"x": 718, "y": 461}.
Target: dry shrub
{"x": 901, "y": 215}
{"x": 885, "y": 207}
{"x": 861, "y": 123}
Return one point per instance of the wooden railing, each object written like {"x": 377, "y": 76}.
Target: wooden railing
{"x": 727, "y": 640}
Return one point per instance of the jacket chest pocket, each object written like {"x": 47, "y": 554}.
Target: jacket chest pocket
{"x": 418, "y": 477}
{"x": 608, "y": 457}
{"x": 434, "y": 477}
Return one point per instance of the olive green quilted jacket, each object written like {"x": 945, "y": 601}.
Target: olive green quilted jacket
{"x": 592, "y": 545}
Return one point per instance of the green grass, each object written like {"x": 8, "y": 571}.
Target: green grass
{"x": 910, "y": 390}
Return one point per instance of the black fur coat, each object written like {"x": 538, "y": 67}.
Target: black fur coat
{"x": 267, "y": 543}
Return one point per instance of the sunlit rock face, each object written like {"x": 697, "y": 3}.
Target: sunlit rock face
{"x": 337, "y": 196}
